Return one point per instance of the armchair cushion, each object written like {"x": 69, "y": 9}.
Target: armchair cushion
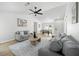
{"x": 25, "y": 32}
{"x": 18, "y": 32}
{"x": 21, "y": 35}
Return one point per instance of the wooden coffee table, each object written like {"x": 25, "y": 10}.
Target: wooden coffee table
{"x": 34, "y": 41}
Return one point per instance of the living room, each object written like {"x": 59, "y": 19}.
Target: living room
{"x": 27, "y": 27}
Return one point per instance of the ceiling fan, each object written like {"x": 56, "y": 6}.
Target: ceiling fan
{"x": 35, "y": 12}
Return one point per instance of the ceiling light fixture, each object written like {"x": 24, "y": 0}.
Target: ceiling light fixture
{"x": 36, "y": 11}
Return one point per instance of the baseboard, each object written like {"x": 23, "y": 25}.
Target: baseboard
{"x": 7, "y": 41}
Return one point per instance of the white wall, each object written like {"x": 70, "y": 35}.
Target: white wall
{"x": 30, "y": 23}
{"x": 68, "y": 18}
{"x": 8, "y": 25}
{"x": 75, "y": 31}
{"x": 71, "y": 29}
{"x": 59, "y": 26}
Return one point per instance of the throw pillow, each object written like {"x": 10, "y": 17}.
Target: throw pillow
{"x": 56, "y": 46}
{"x": 64, "y": 39}
{"x": 62, "y": 35}
{"x": 25, "y": 32}
{"x": 18, "y": 32}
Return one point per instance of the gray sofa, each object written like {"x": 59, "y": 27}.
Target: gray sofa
{"x": 66, "y": 46}
{"x": 21, "y": 35}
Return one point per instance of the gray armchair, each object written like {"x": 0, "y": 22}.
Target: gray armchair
{"x": 21, "y": 35}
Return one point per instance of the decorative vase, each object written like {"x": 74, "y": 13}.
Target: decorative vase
{"x": 35, "y": 35}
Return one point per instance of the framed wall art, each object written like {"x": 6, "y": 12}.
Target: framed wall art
{"x": 21, "y": 22}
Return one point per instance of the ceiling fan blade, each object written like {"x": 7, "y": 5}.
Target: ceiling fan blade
{"x": 38, "y": 10}
{"x": 31, "y": 10}
{"x": 40, "y": 13}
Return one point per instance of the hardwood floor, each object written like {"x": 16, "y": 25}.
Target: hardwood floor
{"x": 4, "y": 49}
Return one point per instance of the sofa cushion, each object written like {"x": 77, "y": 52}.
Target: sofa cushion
{"x": 47, "y": 52}
{"x": 25, "y": 32}
{"x": 18, "y": 32}
{"x": 21, "y": 33}
{"x": 70, "y": 48}
{"x": 65, "y": 39}
{"x": 62, "y": 35}
{"x": 56, "y": 46}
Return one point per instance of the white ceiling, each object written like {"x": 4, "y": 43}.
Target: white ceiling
{"x": 54, "y": 13}
{"x": 20, "y": 6}
{"x": 49, "y": 9}
{"x": 12, "y": 7}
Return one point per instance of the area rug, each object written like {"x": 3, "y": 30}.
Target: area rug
{"x": 25, "y": 48}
